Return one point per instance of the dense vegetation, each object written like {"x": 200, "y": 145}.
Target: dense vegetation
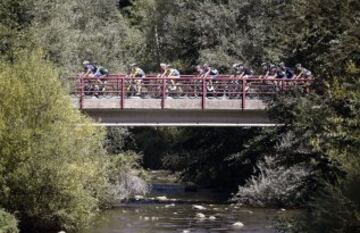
{"x": 54, "y": 171}
{"x": 41, "y": 151}
{"x": 8, "y": 223}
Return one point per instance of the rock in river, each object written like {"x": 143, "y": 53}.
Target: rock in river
{"x": 238, "y": 225}
{"x": 162, "y": 198}
{"x": 199, "y": 207}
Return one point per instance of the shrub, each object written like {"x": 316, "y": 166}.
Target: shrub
{"x": 8, "y": 223}
{"x": 274, "y": 186}
{"x": 126, "y": 177}
{"x": 52, "y": 170}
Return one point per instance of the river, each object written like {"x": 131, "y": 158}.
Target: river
{"x": 199, "y": 212}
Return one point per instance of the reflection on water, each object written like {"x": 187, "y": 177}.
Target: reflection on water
{"x": 180, "y": 215}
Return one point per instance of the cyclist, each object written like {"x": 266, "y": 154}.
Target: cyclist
{"x": 89, "y": 69}
{"x": 200, "y": 70}
{"x": 265, "y": 70}
{"x": 285, "y": 72}
{"x": 100, "y": 74}
{"x": 138, "y": 75}
{"x": 273, "y": 71}
{"x": 242, "y": 71}
{"x": 89, "y": 72}
{"x": 303, "y": 72}
{"x": 212, "y": 73}
{"x": 196, "y": 84}
{"x": 170, "y": 73}
{"x": 173, "y": 74}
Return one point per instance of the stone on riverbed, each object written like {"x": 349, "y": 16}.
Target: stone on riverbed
{"x": 162, "y": 198}
{"x": 199, "y": 207}
{"x": 238, "y": 225}
{"x": 212, "y": 218}
{"x": 200, "y": 216}
{"x": 171, "y": 205}
{"x": 138, "y": 197}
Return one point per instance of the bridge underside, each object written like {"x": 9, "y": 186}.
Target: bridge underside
{"x": 179, "y": 113}
{"x": 179, "y": 118}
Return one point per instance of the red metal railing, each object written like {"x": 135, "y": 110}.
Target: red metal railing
{"x": 188, "y": 86}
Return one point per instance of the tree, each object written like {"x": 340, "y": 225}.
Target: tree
{"x": 52, "y": 163}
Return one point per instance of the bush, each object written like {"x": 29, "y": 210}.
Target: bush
{"x": 126, "y": 177}
{"x": 275, "y": 186}
{"x": 8, "y": 223}
{"x": 52, "y": 170}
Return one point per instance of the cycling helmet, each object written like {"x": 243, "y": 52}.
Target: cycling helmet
{"x": 163, "y": 65}
{"x": 85, "y": 63}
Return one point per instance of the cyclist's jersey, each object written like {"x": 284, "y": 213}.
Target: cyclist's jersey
{"x": 273, "y": 71}
{"x": 289, "y": 73}
{"x": 90, "y": 67}
{"x": 172, "y": 73}
{"x": 212, "y": 72}
{"x": 138, "y": 73}
{"x": 238, "y": 71}
{"x": 101, "y": 71}
{"x": 244, "y": 71}
{"x": 306, "y": 73}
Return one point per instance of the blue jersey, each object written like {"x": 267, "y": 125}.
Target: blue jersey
{"x": 91, "y": 68}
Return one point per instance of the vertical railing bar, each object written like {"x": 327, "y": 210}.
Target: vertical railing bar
{"x": 122, "y": 97}
{"x": 243, "y": 104}
{"x": 81, "y": 92}
{"x": 163, "y": 93}
{"x": 203, "y": 97}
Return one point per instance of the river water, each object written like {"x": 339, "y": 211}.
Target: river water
{"x": 179, "y": 212}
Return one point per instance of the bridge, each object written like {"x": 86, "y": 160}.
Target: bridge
{"x": 226, "y": 101}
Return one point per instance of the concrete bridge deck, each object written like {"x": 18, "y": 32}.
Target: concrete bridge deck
{"x": 176, "y": 112}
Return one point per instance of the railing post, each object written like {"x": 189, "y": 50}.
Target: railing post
{"x": 163, "y": 93}
{"x": 122, "y": 96}
{"x": 243, "y": 98}
{"x": 204, "y": 93}
{"x": 81, "y": 92}
{"x": 117, "y": 92}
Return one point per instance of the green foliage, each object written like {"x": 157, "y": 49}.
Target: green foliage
{"x": 73, "y": 31}
{"x": 204, "y": 156}
{"x": 327, "y": 128}
{"x": 155, "y": 144}
{"x": 274, "y": 186}
{"x": 8, "y": 223}
{"x": 118, "y": 140}
{"x": 52, "y": 172}
{"x": 126, "y": 176}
